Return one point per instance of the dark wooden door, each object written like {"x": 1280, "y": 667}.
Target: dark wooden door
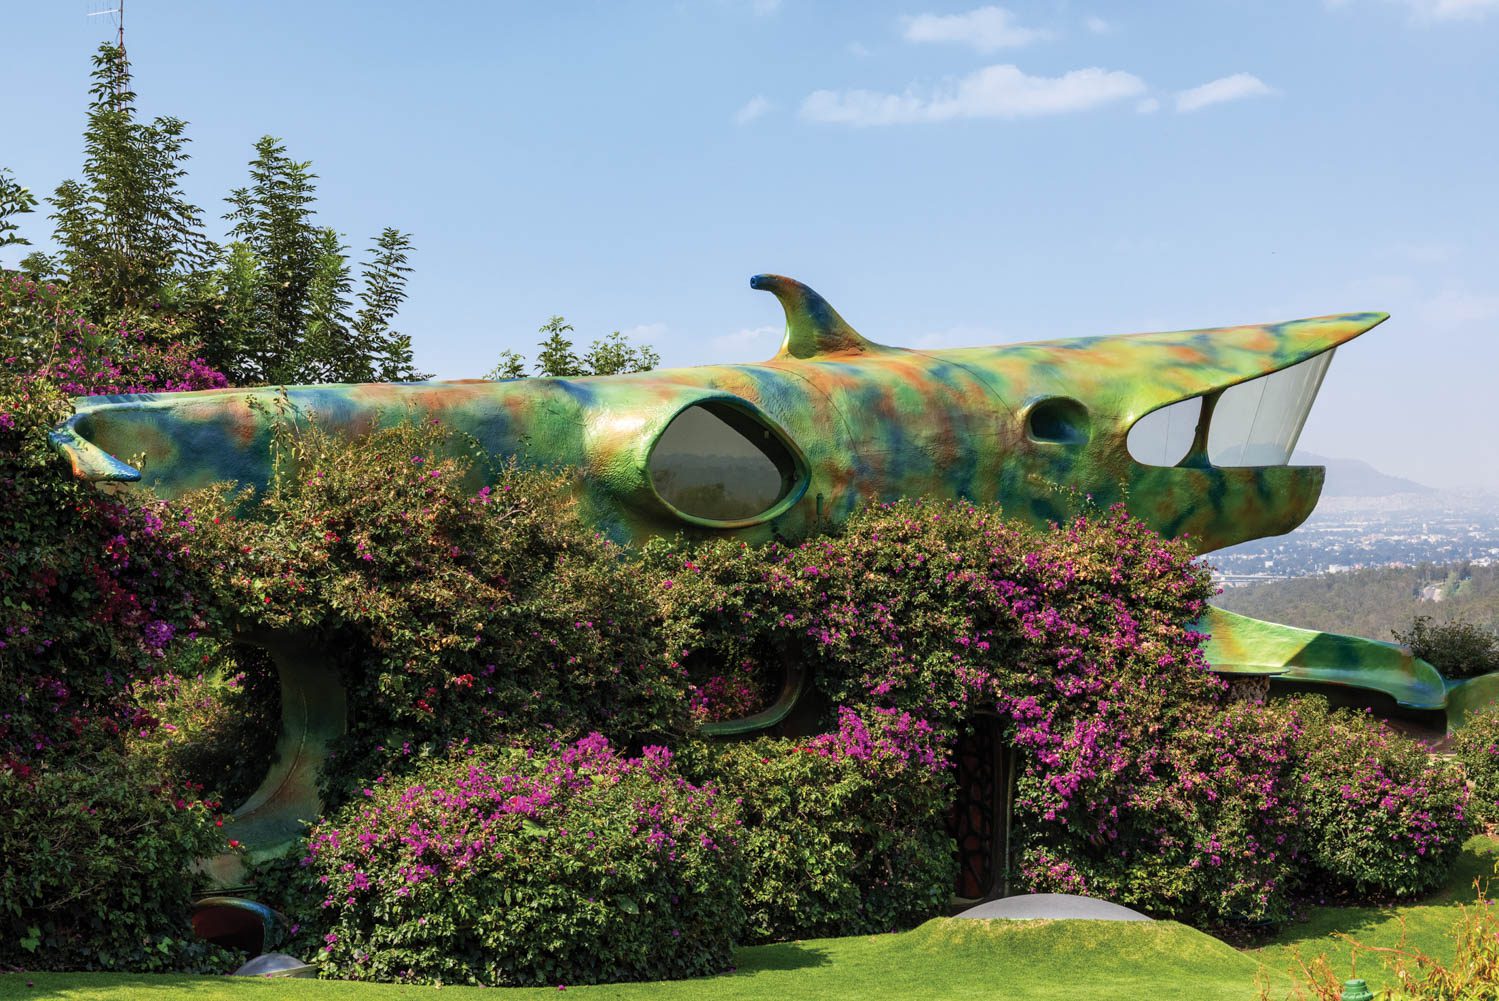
{"x": 979, "y": 822}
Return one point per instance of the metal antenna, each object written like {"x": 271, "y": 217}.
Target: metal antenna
{"x": 117, "y": 13}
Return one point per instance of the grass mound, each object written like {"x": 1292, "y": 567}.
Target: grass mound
{"x": 944, "y": 958}
{"x": 952, "y": 960}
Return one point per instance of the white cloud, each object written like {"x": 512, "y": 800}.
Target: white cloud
{"x": 986, "y": 29}
{"x": 992, "y": 92}
{"x": 858, "y": 49}
{"x": 1149, "y": 106}
{"x": 1228, "y": 88}
{"x": 1097, "y": 25}
{"x": 754, "y": 108}
{"x": 764, "y": 8}
{"x": 962, "y": 335}
{"x": 1452, "y": 10}
{"x": 1440, "y": 10}
{"x": 646, "y": 333}
{"x": 1459, "y": 309}
{"x": 741, "y": 342}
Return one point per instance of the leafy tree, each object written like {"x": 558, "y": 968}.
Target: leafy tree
{"x": 615, "y": 354}
{"x": 125, "y": 229}
{"x": 14, "y": 200}
{"x": 558, "y": 357}
{"x": 1458, "y": 648}
{"x": 555, "y": 355}
{"x": 511, "y": 365}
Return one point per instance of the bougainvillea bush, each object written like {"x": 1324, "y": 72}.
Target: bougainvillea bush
{"x": 1382, "y": 817}
{"x": 1077, "y": 638}
{"x": 44, "y": 335}
{"x": 457, "y": 611}
{"x": 92, "y": 587}
{"x": 571, "y": 865}
{"x": 845, "y": 832}
{"x": 1477, "y": 747}
{"x": 96, "y": 844}
{"x": 96, "y": 867}
{"x": 1202, "y": 829}
{"x": 1140, "y": 782}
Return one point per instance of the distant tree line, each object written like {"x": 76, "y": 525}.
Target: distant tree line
{"x": 557, "y": 356}
{"x": 1378, "y": 602}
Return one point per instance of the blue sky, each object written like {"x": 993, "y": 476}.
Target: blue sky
{"x": 944, "y": 173}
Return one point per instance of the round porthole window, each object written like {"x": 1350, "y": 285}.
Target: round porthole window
{"x": 717, "y": 462}
{"x": 1059, "y": 421}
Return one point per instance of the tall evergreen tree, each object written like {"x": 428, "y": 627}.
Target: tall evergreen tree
{"x": 286, "y": 287}
{"x": 326, "y": 352}
{"x": 387, "y": 351}
{"x": 272, "y": 218}
{"x": 276, "y": 305}
{"x": 125, "y": 229}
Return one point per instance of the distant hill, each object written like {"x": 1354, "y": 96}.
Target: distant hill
{"x": 1356, "y": 478}
{"x": 1374, "y": 601}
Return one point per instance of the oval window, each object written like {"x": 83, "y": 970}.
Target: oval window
{"x": 1164, "y": 437}
{"x": 717, "y": 462}
{"x": 1257, "y": 423}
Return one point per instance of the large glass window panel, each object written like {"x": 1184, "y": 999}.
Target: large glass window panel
{"x": 1164, "y": 437}
{"x": 719, "y": 463}
{"x": 1256, "y": 423}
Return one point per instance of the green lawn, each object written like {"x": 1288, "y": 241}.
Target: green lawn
{"x": 1039, "y": 960}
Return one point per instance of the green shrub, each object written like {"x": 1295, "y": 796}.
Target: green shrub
{"x": 455, "y": 613}
{"x": 96, "y": 868}
{"x": 1380, "y": 816}
{"x": 1477, "y": 747}
{"x": 845, "y": 833}
{"x": 1458, "y": 648}
{"x": 211, "y": 717}
{"x": 513, "y": 868}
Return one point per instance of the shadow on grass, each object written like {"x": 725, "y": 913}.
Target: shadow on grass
{"x": 1427, "y": 925}
{"x": 782, "y": 956}
{"x": 1475, "y": 864}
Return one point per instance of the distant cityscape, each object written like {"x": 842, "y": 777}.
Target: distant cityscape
{"x": 1348, "y": 533}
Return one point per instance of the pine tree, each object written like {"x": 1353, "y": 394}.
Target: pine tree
{"x": 272, "y": 218}
{"x": 326, "y": 352}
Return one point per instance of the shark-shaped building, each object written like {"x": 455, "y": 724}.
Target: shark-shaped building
{"x": 1191, "y": 430}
